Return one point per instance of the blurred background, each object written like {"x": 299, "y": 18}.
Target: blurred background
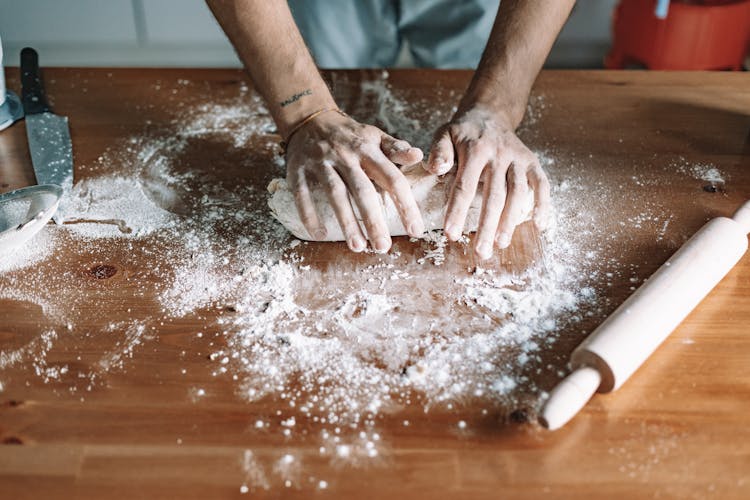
{"x": 184, "y": 33}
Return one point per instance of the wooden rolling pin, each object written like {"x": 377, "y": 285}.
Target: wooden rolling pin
{"x": 610, "y": 355}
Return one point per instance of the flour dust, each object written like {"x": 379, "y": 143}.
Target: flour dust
{"x": 338, "y": 350}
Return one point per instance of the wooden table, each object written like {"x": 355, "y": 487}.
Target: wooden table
{"x": 680, "y": 428}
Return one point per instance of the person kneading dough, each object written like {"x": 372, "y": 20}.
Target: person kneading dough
{"x": 359, "y": 168}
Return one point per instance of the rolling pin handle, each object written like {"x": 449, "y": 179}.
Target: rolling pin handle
{"x": 742, "y": 216}
{"x": 570, "y": 395}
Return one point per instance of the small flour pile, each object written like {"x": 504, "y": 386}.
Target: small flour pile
{"x": 337, "y": 349}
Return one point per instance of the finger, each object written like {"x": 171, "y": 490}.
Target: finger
{"x": 441, "y": 156}
{"x": 518, "y": 187}
{"x": 389, "y": 177}
{"x": 370, "y": 208}
{"x": 470, "y": 166}
{"x": 305, "y": 206}
{"x": 492, "y": 207}
{"x": 338, "y": 195}
{"x": 400, "y": 152}
{"x": 542, "y": 197}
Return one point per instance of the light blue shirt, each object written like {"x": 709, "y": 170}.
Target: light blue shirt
{"x": 371, "y": 33}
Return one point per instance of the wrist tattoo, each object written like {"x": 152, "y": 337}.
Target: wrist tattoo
{"x": 295, "y": 98}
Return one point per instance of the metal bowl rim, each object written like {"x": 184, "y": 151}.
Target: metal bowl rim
{"x": 31, "y": 191}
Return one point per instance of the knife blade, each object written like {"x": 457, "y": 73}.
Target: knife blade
{"x": 48, "y": 134}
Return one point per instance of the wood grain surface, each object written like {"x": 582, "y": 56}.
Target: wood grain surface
{"x": 680, "y": 428}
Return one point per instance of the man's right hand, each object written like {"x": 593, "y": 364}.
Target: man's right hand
{"x": 346, "y": 157}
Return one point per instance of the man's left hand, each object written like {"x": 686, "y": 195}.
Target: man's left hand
{"x": 485, "y": 146}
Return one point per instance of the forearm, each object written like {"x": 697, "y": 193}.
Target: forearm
{"x": 521, "y": 38}
{"x": 269, "y": 44}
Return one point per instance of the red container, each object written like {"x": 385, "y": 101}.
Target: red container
{"x": 697, "y": 35}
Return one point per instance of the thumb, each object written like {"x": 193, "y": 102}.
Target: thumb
{"x": 399, "y": 151}
{"x": 442, "y": 155}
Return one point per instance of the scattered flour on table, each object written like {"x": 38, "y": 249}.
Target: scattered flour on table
{"x": 113, "y": 206}
{"x": 337, "y": 359}
{"x": 436, "y": 252}
{"x": 255, "y": 473}
{"x": 126, "y": 344}
{"x": 707, "y": 173}
{"x": 36, "y": 349}
{"x": 397, "y": 112}
{"x": 701, "y": 171}
{"x": 36, "y": 250}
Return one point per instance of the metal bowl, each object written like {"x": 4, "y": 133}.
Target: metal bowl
{"x": 24, "y": 212}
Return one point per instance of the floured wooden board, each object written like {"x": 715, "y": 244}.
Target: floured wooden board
{"x": 173, "y": 340}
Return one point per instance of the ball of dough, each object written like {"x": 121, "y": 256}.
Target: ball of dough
{"x": 430, "y": 192}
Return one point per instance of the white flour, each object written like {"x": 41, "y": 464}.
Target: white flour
{"x": 37, "y": 250}
{"x": 103, "y": 207}
{"x": 701, "y": 171}
{"x": 340, "y": 349}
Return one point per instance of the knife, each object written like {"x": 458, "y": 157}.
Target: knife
{"x": 48, "y": 133}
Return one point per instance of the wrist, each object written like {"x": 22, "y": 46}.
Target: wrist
{"x": 495, "y": 96}
{"x": 317, "y": 118}
{"x": 296, "y": 106}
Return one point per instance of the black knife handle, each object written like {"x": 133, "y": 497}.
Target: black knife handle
{"x": 32, "y": 91}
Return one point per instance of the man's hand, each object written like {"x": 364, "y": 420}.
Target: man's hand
{"x": 486, "y": 147}
{"x": 346, "y": 157}
{"x": 481, "y": 135}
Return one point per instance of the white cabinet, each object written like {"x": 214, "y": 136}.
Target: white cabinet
{"x": 38, "y": 22}
{"x": 183, "y": 33}
{"x": 181, "y": 21}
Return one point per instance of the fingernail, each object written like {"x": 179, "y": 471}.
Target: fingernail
{"x": 319, "y": 234}
{"x": 451, "y": 231}
{"x": 503, "y": 240}
{"x": 416, "y": 229}
{"x": 437, "y": 164}
{"x": 382, "y": 244}
{"x": 484, "y": 249}
{"x": 356, "y": 243}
